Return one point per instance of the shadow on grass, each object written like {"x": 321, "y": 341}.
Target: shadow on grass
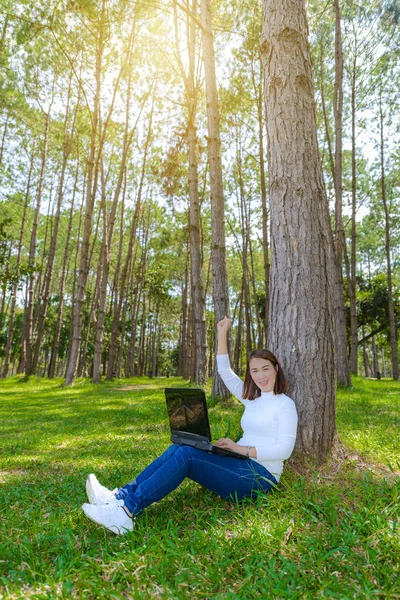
{"x": 195, "y": 541}
{"x": 321, "y": 534}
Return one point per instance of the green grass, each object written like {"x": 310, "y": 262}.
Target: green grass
{"x": 327, "y": 534}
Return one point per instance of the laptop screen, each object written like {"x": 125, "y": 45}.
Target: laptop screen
{"x": 187, "y": 410}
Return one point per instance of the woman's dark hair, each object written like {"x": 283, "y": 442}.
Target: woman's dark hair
{"x": 250, "y": 390}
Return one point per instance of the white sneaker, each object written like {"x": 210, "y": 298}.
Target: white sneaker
{"x": 111, "y": 516}
{"x": 97, "y": 493}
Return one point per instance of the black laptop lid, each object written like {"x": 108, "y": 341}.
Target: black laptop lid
{"x": 187, "y": 410}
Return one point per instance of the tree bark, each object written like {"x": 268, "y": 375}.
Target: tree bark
{"x": 301, "y": 330}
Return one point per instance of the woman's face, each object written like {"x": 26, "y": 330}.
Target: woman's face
{"x": 263, "y": 373}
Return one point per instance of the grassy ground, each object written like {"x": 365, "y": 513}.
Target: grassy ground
{"x": 327, "y": 534}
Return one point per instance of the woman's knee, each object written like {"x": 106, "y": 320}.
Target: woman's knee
{"x": 170, "y": 451}
{"x": 186, "y": 452}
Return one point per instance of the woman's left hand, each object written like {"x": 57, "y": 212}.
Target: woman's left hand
{"x": 229, "y": 445}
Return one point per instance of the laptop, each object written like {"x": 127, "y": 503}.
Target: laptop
{"x": 188, "y": 420}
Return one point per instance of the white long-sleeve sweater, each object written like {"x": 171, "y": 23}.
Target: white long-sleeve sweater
{"x": 269, "y": 422}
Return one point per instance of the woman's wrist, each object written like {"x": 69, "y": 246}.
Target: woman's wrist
{"x": 248, "y": 451}
{"x": 222, "y": 347}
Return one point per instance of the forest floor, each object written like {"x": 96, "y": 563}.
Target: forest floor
{"x": 327, "y": 533}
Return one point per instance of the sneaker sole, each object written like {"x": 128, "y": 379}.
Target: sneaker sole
{"x": 114, "y": 528}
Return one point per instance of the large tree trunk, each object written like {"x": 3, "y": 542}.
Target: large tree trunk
{"x": 301, "y": 330}
{"x": 218, "y": 258}
{"x": 392, "y": 320}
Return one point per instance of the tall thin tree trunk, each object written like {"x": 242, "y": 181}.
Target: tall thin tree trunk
{"x": 199, "y": 346}
{"x": 245, "y": 245}
{"x": 10, "y": 334}
{"x": 60, "y": 312}
{"x": 183, "y": 345}
{"x": 342, "y": 364}
{"x": 75, "y": 267}
{"x": 238, "y": 342}
{"x": 365, "y": 355}
{"x": 3, "y": 140}
{"x": 141, "y": 357}
{"x": 28, "y": 316}
{"x": 135, "y": 297}
{"x": 218, "y": 253}
{"x": 53, "y": 243}
{"x": 197, "y": 290}
{"x": 375, "y": 366}
{"x": 352, "y": 278}
{"x": 124, "y": 275}
{"x": 109, "y": 224}
{"x": 263, "y": 185}
{"x": 120, "y": 352}
{"x": 76, "y": 333}
{"x": 392, "y": 320}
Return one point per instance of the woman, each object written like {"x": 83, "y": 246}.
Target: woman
{"x": 269, "y": 425}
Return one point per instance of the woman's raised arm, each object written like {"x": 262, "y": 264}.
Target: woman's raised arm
{"x": 222, "y": 329}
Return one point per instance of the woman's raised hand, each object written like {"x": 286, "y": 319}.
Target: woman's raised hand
{"x": 224, "y": 325}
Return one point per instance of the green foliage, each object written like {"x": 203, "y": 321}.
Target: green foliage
{"x": 373, "y": 303}
{"x": 49, "y": 51}
{"x": 331, "y": 533}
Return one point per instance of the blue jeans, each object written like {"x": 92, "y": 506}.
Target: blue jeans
{"x": 230, "y": 478}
